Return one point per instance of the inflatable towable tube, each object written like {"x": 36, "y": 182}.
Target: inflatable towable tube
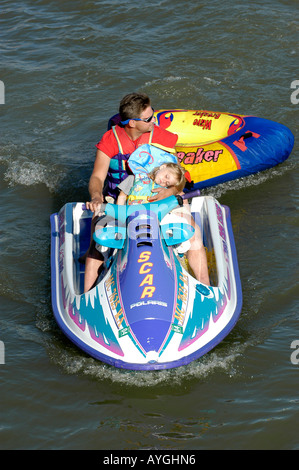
{"x": 216, "y": 147}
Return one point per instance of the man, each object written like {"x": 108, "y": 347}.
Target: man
{"x": 136, "y": 128}
{"x": 116, "y": 145}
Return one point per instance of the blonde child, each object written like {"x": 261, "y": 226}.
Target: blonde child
{"x": 138, "y": 189}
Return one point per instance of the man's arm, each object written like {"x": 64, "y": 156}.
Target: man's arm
{"x": 97, "y": 179}
{"x": 162, "y": 193}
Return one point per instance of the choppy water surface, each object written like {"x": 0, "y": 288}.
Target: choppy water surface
{"x": 65, "y": 66}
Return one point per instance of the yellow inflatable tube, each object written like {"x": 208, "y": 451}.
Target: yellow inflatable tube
{"x": 215, "y": 147}
{"x": 196, "y": 127}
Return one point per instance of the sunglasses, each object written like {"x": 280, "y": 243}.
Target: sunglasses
{"x": 138, "y": 119}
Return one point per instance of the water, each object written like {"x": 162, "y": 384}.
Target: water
{"x": 65, "y": 66}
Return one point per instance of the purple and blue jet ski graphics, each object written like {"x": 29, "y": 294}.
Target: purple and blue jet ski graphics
{"x": 147, "y": 311}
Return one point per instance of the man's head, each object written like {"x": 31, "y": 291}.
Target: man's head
{"x": 136, "y": 107}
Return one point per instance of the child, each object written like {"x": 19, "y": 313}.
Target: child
{"x": 137, "y": 189}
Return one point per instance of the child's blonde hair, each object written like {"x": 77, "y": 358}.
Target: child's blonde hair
{"x": 178, "y": 171}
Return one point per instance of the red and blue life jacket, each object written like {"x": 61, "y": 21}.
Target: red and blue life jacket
{"x": 118, "y": 169}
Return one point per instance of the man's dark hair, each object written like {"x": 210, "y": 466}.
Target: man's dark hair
{"x": 132, "y": 105}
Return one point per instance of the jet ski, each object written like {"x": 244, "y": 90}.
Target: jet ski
{"x": 147, "y": 311}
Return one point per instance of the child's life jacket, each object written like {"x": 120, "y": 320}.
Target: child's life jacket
{"x": 142, "y": 162}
